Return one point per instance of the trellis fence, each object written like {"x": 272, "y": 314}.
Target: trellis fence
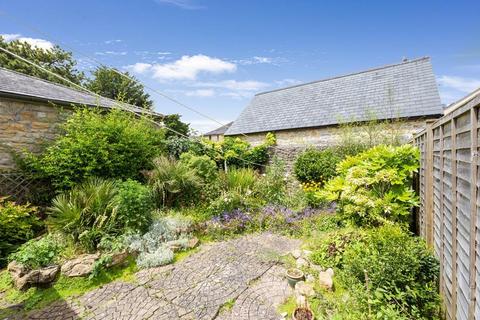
{"x": 17, "y": 187}
{"x": 448, "y": 217}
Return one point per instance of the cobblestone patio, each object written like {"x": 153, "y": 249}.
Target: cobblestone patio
{"x": 243, "y": 273}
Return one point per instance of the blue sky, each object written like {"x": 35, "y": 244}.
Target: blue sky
{"x": 215, "y": 55}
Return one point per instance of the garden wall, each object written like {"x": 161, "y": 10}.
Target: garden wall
{"x": 448, "y": 217}
{"x": 291, "y": 142}
{"x": 25, "y": 125}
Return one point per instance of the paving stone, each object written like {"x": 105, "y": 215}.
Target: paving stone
{"x": 244, "y": 270}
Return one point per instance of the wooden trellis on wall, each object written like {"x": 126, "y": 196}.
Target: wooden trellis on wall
{"x": 448, "y": 217}
{"x": 16, "y": 186}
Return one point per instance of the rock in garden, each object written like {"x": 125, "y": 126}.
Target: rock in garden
{"x": 174, "y": 245}
{"x": 117, "y": 259}
{"x": 301, "y": 263}
{"x": 192, "y": 243}
{"x": 24, "y": 278}
{"x": 300, "y": 300}
{"x": 304, "y": 289}
{"x": 296, "y": 254}
{"x": 325, "y": 279}
{"x": 310, "y": 278}
{"x": 307, "y": 253}
{"x": 80, "y": 266}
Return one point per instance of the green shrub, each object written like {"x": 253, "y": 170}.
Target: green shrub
{"x": 114, "y": 145}
{"x": 134, "y": 205}
{"x": 39, "y": 253}
{"x": 401, "y": 272}
{"x": 174, "y": 183}
{"x": 18, "y": 223}
{"x": 272, "y": 186}
{"x": 236, "y": 152}
{"x": 97, "y": 208}
{"x": 328, "y": 252}
{"x": 315, "y": 165}
{"x": 241, "y": 179}
{"x": 204, "y": 167}
{"x": 374, "y": 187}
{"x": 152, "y": 248}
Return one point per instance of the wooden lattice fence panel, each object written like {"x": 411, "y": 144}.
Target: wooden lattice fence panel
{"x": 449, "y": 213}
{"x": 16, "y": 186}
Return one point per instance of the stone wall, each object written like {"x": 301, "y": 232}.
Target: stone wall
{"x": 291, "y": 142}
{"x": 26, "y": 125}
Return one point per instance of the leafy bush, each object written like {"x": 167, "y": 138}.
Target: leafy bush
{"x": 18, "y": 223}
{"x": 237, "y": 152}
{"x": 272, "y": 186}
{"x": 374, "y": 187}
{"x": 401, "y": 271}
{"x": 97, "y": 208}
{"x": 174, "y": 183}
{"x": 39, "y": 253}
{"x": 315, "y": 165}
{"x": 204, "y": 167}
{"x": 242, "y": 179}
{"x": 310, "y": 190}
{"x": 134, "y": 205}
{"x": 152, "y": 246}
{"x": 114, "y": 145}
{"x": 328, "y": 252}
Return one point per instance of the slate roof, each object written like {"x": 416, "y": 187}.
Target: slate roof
{"x": 19, "y": 85}
{"x": 220, "y": 130}
{"x": 407, "y": 89}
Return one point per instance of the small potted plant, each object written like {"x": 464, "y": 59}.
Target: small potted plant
{"x": 294, "y": 275}
{"x": 303, "y": 313}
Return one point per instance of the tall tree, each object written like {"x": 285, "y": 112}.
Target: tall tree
{"x": 173, "y": 122}
{"x": 55, "y": 59}
{"x": 109, "y": 83}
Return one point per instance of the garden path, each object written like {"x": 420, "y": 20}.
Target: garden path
{"x": 231, "y": 280}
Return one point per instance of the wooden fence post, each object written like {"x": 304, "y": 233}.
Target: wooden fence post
{"x": 454, "y": 216}
{"x": 473, "y": 209}
{"x": 429, "y": 184}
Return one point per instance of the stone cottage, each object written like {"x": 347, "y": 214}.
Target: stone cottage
{"x": 217, "y": 134}
{"x": 309, "y": 114}
{"x": 31, "y": 110}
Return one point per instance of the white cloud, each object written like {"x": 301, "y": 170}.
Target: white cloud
{"x": 261, "y": 60}
{"x": 188, "y": 68}
{"x": 184, "y": 4}
{"x": 465, "y": 85}
{"x": 111, "y": 53}
{"x": 37, "y": 43}
{"x": 113, "y": 41}
{"x": 139, "y": 67}
{"x": 163, "y": 53}
{"x": 200, "y": 93}
{"x": 249, "y": 85}
{"x": 453, "y": 88}
{"x": 287, "y": 82}
{"x": 205, "y": 125}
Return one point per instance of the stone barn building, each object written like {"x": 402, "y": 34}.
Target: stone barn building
{"x": 31, "y": 110}
{"x": 309, "y": 114}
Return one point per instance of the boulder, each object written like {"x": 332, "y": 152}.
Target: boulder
{"x": 304, "y": 289}
{"x": 81, "y": 266}
{"x": 325, "y": 279}
{"x": 301, "y": 263}
{"x": 192, "y": 243}
{"x": 174, "y": 245}
{"x": 296, "y": 254}
{"x": 117, "y": 259}
{"x": 24, "y": 278}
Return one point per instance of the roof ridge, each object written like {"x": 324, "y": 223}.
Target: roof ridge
{"x": 346, "y": 75}
{"x": 97, "y": 96}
